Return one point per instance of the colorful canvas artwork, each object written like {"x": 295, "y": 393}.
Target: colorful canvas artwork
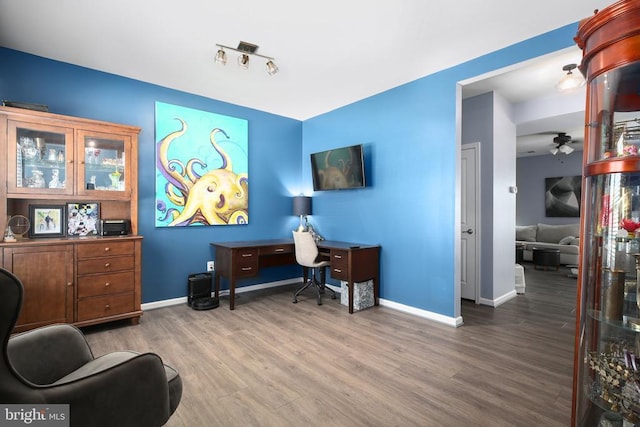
{"x": 202, "y": 173}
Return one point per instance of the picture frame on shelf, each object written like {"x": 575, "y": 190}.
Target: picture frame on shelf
{"x": 46, "y": 221}
{"x": 83, "y": 219}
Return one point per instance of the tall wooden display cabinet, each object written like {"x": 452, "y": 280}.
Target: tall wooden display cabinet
{"x": 606, "y": 384}
{"x": 55, "y": 163}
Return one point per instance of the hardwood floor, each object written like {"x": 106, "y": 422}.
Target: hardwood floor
{"x": 274, "y": 363}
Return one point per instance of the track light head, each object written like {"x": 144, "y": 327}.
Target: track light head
{"x": 221, "y": 57}
{"x": 243, "y": 61}
{"x": 272, "y": 68}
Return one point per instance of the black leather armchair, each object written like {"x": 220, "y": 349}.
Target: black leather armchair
{"x": 54, "y": 364}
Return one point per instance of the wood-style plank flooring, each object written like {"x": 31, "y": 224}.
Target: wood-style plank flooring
{"x": 273, "y": 363}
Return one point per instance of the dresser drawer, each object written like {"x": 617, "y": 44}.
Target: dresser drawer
{"x": 104, "y": 284}
{"x": 107, "y": 248}
{"x": 340, "y": 264}
{"x": 105, "y": 265}
{"x": 111, "y": 305}
{"x": 245, "y": 263}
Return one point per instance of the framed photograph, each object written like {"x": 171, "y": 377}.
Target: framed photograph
{"x": 46, "y": 221}
{"x": 83, "y": 219}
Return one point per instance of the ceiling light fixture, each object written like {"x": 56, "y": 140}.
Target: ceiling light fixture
{"x": 565, "y": 149}
{"x": 570, "y": 81}
{"x": 245, "y": 50}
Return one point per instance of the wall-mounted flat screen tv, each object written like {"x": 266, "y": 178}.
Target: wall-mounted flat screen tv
{"x": 338, "y": 169}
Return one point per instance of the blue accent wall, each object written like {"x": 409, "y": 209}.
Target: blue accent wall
{"x": 409, "y": 134}
{"x": 170, "y": 254}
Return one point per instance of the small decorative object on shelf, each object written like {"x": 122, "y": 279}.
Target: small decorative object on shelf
{"x": 8, "y": 235}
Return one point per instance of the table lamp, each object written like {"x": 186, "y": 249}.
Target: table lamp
{"x": 302, "y": 208}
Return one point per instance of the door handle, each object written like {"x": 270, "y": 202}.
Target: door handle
{"x": 468, "y": 231}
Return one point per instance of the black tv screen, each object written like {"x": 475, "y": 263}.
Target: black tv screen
{"x": 338, "y": 169}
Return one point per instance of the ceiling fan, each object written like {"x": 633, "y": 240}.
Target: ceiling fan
{"x": 561, "y": 144}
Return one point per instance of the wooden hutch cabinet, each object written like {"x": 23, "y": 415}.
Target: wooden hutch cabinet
{"x": 55, "y": 160}
{"x": 606, "y": 383}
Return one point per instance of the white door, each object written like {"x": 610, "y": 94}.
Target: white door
{"x": 470, "y": 213}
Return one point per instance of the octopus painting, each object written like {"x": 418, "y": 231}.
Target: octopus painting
{"x": 193, "y": 192}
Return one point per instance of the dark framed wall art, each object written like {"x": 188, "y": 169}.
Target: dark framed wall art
{"x": 562, "y": 196}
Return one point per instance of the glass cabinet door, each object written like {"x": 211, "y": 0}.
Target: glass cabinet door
{"x": 614, "y": 126}
{"x": 40, "y": 159}
{"x": 104, "y": 164}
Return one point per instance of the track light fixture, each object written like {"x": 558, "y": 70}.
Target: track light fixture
{"x": 245, "y": 50}
{"x": 570, "y": 81}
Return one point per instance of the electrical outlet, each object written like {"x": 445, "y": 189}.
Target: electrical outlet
{"x": 211, "y": 265}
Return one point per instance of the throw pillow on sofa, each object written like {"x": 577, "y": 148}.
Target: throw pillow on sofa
{"x": 566, "y": 240}
{"x": 526, "y": 233}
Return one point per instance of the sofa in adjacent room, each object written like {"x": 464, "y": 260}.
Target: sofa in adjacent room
{"x": 564, "y": 237}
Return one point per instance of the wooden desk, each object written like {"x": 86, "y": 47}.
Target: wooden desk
{"x": 350, "y": 262}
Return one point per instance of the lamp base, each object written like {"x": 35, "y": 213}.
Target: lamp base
{"x": 301, "y": 227}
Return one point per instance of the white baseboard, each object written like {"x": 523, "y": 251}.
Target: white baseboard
{"x": 436, "y": 317}
{"x": 500, "y": 300}
{"x": 183, "y": 300}
{"x": 450, "y": 321}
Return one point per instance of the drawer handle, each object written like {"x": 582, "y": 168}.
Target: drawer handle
{"x": 106, "y": 285}
{"x": 69, "y": 284}
{"x": 107, "y": 249}
{"x": 106, "y": 307}
{"x": 247, "y": 255}
{"x": 279, "y": 249}
{"x": 338, "y": 256}
{"x": 247, "y": 268}
{"x": 107, "y": 265}
{"x": 337, "y": 270}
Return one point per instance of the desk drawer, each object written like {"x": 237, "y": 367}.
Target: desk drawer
{"x": 104, "y": 284}
{"x": 105, "y": 265}
{"x": 92, "y": 250}
{"x": 245, "y": 263}
{"x": 276, "y": 249}
{"x": 340, "y": 264}
{"x": 111, "y": 305}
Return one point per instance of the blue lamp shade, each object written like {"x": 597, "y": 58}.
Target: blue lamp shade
{"x": 302, "y": 205}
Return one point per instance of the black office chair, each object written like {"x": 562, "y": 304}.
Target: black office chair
{"x": 54, "y": 365}
{"x": 308, "y": 256}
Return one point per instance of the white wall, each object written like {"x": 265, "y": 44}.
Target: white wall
{"x": 504, "y": 202}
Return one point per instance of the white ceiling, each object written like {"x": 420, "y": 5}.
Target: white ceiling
{"x": 330, "y": 53}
